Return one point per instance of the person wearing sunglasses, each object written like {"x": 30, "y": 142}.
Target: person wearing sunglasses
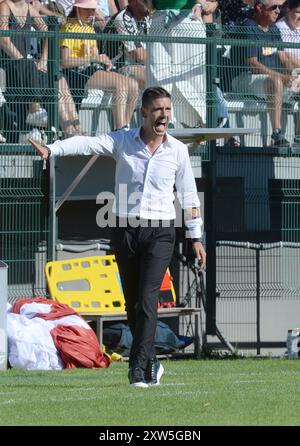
{"x": 289, "y": 26}
{"x": 264, "y": 74}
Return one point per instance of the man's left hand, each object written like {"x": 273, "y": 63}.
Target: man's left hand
{"x": 200, "y": 255}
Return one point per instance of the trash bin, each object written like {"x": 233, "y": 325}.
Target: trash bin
{"x": 3, "y": 311}
{"x": 292, "y": 341}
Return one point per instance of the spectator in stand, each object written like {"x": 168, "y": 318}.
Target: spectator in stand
{"x": 129, "y": 57}
{"x": 289, "y": 26}
{"x": 69, "y": 117}
{"x": 84, "y": 68}
{"x": 235, "y": 12}
{"x": 179, "y": 68}
{"x": 108, "y": 8}
{"x": 25, "y": 73}
{"x": 105, "y": 10}
{"x": 211, "y": 14}
{"x": 42, "y": 7}
{"x": 64, "y": 7}
{"x": 22, "y": 72}
{"x": 265, "y": 75}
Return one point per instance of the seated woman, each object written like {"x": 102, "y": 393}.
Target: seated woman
{"x": 27, "y": 78}
{"x": 84, "y": 68}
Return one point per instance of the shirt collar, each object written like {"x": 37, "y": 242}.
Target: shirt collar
{"x": 137, "y": 133}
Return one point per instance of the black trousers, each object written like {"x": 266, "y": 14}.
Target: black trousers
{"x": 143, "y": 254}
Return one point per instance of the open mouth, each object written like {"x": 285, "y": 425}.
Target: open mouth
{"x": 160, "y": 126}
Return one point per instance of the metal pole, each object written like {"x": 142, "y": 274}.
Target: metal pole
{"x": 210, "y": 186}
{"x": 53, "y": 73}
{"x": 257, "y": 251}
{"x": 53, "y": 67}
{"x": 3, "y": 319}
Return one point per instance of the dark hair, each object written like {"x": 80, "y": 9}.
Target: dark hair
{"x": 148, "y": 3}
{"x": 72, "y": 14}
{"x": 152, "y": 93}
{"x": 292, "y": 4}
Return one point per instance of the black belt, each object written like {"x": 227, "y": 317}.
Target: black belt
{"x": 134, "y": 222}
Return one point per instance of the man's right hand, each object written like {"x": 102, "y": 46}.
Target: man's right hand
{"x": 41, "y": 150}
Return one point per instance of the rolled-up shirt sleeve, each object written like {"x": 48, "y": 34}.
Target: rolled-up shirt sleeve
{"x": 105, "y": 145}
{"x": 188, "y": 196}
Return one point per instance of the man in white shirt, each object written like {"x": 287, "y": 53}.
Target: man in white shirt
{"x": 149, "y": 164}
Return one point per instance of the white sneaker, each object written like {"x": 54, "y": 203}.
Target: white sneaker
{"x": 154, "y": 372}
{"x": 38, "y": 118}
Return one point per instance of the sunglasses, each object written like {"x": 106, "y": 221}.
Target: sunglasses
{"x": 272, "y": 8}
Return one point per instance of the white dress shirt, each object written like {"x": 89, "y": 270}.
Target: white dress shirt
{"x": 289, "y": 35}
{"x": 144, "y": 182}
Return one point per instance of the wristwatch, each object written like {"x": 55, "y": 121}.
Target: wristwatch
{"x": 49, "y": 151}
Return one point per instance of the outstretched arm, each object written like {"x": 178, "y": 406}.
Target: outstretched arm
{"x": 106, "y": 145}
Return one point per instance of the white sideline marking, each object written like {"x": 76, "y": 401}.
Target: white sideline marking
{"x": 51, "y": 399}
{"x": 252, "y": 381}
{"x": 3, "y": 403}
